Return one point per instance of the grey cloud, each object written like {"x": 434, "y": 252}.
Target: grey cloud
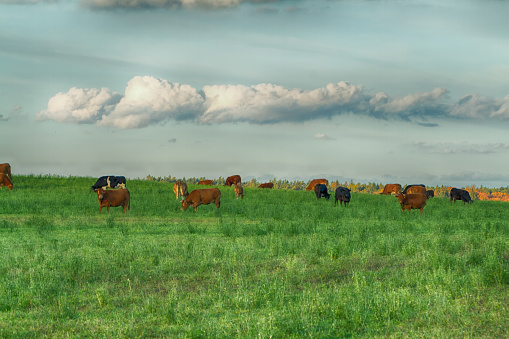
{"x": 143, "y": 4}
{"x": 481, "y": 107}
{"x": 464, "y": 148}
{"x": 2, "y": 118}
{"x": 172, "y": 140}
{"x": 26, "y": 2}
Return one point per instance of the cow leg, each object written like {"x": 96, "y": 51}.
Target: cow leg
{"x": 100, "y": 209}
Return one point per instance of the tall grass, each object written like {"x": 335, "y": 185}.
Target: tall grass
{"x": 276, "y": 263}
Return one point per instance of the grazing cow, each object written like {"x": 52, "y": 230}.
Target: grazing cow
{"x": 321, "y": 191}
{"x": 430, "y": 194}
{"x": 205, "y": 182}
{"x": 405, "y": 191}
{"x": 343, "y": 195}
{"x": 233, "y": 180}
{"x": 416, "y": 189}
{"x": 6, "y": 168}
{"x": 203, "y": 196}
{"x": 180, "y": 189}
{"x": 239, "y": 191}
{"x": 267, "y": 185}
{"x": 315, "y": 182}
{"x": 113, "y": 198}
{"x": 412, "y": 201}
{"x": 392, "y": 188}
{"x": 459, "y": 194}
{"x": 5, "y": 181}
{"x": 109, "y": 181}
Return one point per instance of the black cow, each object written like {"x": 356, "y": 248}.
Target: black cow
{"x": 321, "y": 191}
{"x": 408, "y": 186}
{"x": 459, "y": 194}
{"x": 343, "y": 195}
{"x": 110, "y": 181}
{"x": 430, "y": 194}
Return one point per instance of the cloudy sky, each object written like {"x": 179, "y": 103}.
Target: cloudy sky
{"x": 385, "y": 91}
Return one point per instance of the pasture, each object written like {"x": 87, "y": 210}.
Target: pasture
{"x": 278, "y": 263}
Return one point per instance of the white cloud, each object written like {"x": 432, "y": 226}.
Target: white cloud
{"x": 323, "y": 136}
{"x": 79, "y": 105}
{"x": 267, "y": 103}
{"x": 149, "y": 101}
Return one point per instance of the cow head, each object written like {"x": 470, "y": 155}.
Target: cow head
{"x": 100, "y": 192}
{"x": 184, "y": 205}
{"x": 400, "y": 197}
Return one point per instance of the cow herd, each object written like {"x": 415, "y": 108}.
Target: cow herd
{"x": 411, "y": 197}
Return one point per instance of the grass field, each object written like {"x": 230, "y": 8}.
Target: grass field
{"x": 276, "y": 264}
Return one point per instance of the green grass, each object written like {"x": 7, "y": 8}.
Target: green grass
{"x": 277, "y": 263}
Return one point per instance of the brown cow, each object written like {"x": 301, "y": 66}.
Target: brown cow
{"x": 233, "y": 180}
{"x": 5, "y": 181}
{"x": 205, "y": 182}
{"x": 416, "y": 189}
{"x": 239, "y": 191}
{"x": 392, "y": 188}
{"x": 314, "y": 182}
{"x": 6, "y": 168}
{"x": 202, "y": 196}
{"x": 267, "y": 185}
{"x": 180, "y": 189}
{"x": 113, "y": 198}
{"x": 412, "y": 201}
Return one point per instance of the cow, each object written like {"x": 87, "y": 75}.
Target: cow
{"x": 6, "y": 168}
{"x": 233, "y": 180}
{"x": 412, "y": 201}
{"x": 180, "y": 189}
{"x": 391, "y": 188}
{"x": 430, "y": 194}
{"x": 405, "y": 191}
{"x": 239, "y": 191}
{"x": 109, "y": 181}
{"x": 343, "y": 195}
{"x": 267, "y": 185}
{"x": 314, "y": 182}
{"x": 5, "y": 181}
{"x": 205, "y": 182}
{"x": 459, "y": 194}
{"x": 321, "y": 191}
{"x": 113, "y": 198}
{"x": 202, "y": 196}
{"x": 416, "y": 189}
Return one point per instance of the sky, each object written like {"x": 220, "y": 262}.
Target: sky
{"x": 381, "y": 91}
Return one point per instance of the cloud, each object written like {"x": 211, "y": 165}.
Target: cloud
{"x": 322, "y": 136}
{"x": 2, "y": 118}
{"x": 26, "y": 2}
{"x": 481, "y": 107}
{"x": 465, "y": 148}
{"x": 172, "y": 140}
{"x": 141, "y": 4}
{"x": 148, "y": 101}
{"x": 84, "y": 106}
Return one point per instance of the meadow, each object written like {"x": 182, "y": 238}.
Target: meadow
{"x": 278, "y": 263}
